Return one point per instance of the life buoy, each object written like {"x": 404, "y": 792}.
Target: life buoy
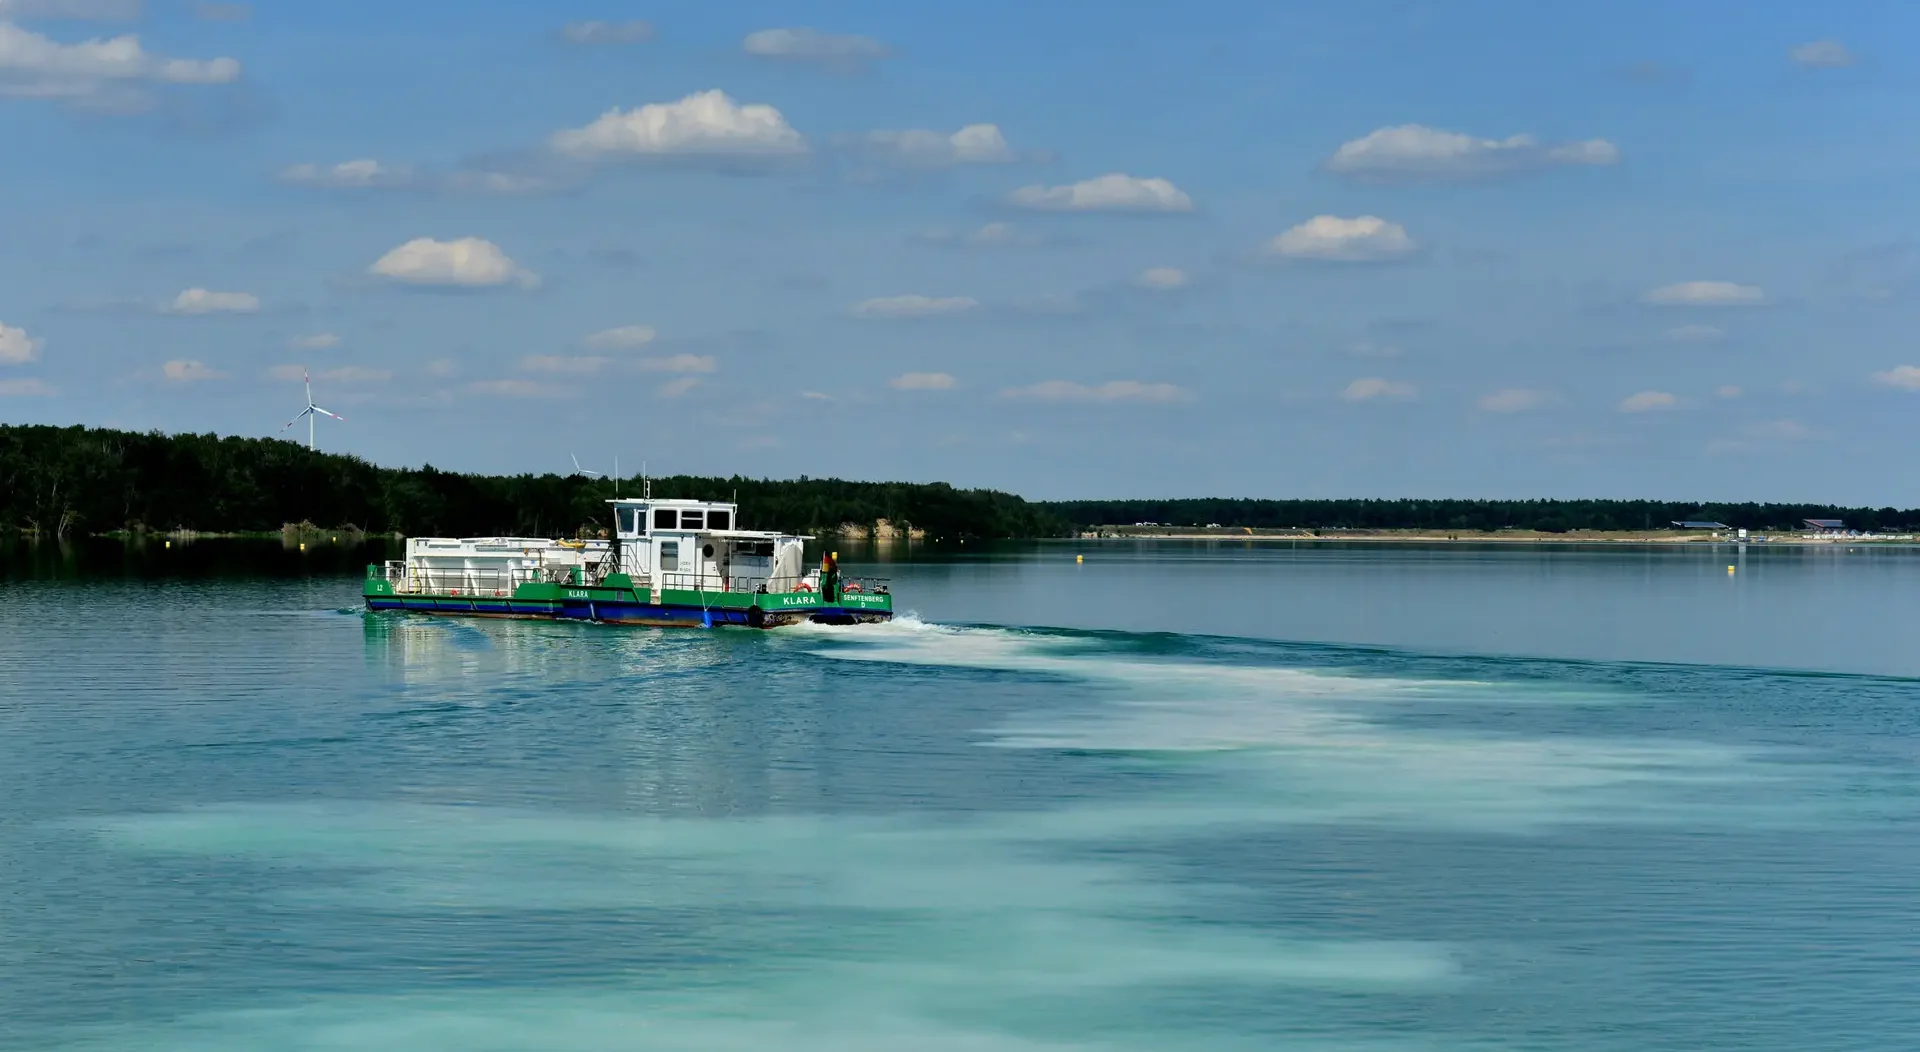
{"x": 853, "y": 586}
{"x": 803, "y": 587}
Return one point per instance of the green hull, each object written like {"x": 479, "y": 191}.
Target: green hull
{"x": 618, "y": 600}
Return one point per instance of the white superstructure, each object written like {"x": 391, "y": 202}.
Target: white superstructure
{"x": 660, "y": 543}
{"x": 494, "y": 565}
{"x": 695, "y": 544}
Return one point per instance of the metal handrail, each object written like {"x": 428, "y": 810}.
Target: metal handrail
{"x": 453, "y": 580}
{"x": 497, "y": 582}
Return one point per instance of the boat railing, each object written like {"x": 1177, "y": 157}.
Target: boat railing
{"x": 693, "y": 582}
{"x": 456, "y": 580}
{"x": 473, "y": 581}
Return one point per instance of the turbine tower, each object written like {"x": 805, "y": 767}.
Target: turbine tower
{"x": 310, "y": 411}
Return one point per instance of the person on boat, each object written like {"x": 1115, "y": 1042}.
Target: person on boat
{"x": 830, "y": 577}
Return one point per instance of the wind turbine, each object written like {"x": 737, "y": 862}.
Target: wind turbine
{"x": 309, "y": 412}
{"x": 578, "y": 470}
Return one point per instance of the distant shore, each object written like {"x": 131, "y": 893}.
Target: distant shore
{"x": 1166, "y": 533}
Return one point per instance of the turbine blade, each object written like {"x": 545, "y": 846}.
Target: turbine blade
{"x": 336, "y": 416}
{"x": 296, "y": 419}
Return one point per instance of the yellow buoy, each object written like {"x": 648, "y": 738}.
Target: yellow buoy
{"x": 1079, "y": 558}
{"x": 1729, "y": 569}
{"x": 169, "y": 544}
{"x": 303, "y": 546}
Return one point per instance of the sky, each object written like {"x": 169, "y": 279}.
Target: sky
{"x": 1375, "y": 248}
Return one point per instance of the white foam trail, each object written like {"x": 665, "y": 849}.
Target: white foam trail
{"x": 861, "y": 933}
{"x": 620, "y": 1021}
{"x": 1304, "y": 745}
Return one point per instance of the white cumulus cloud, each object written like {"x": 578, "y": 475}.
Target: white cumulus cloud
{"x": 1513, "y": 400}
{"x": 923, "y": 382}
{"x": 596, "y": 32}
{"x": 679, "y": 363}
{"x": 1363, "y": 239}
{"x": 973, "y": 144}
{"x": 1417, "y": 151}
{"x": 37, "y": 66}
{"x": 913, "y": 306}
{"x": 1162, "y": 279}
{"x": 468, "y": 262}
{"x": 1374, "y": 388}
{"x": 1821, "y": 54}
{"x": 1706, "y": 294}
{"x": 1648, "y": 402}
{"x": 182, "y": 370}
{"x": 1905, "y": 377}
{"x": 571, "y": 365}
{"x": 998, "y": 235}
{"x": 704, "y": 124}
{"x": 365, "y": 172}
{"x": 676, "y": 388}
{"x": 16, "y": 347}
{"x": 1111, "y": 391}
{"x": 623, "y": 337}
{"x": 846, "y": 52}
{"x": 1115, "y": 192}
{"x": 990, "y": 235}
{"x": 206, "y": 301}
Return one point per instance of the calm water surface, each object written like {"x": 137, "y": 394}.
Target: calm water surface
{"x": 1179, "y": 797}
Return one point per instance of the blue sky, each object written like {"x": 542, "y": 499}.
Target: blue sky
{"x": 1369, "y": 248}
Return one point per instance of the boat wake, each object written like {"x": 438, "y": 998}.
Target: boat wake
{"x": 1291, "y": 744}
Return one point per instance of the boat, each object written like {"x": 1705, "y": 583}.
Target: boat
{"x": 673, "y": 562}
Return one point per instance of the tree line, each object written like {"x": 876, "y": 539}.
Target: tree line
{"x": 1547, "y": 516}
{"x": 71, "y": 481}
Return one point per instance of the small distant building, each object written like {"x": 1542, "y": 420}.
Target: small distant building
{"x": 1699, "y": 524}
{"x": 1830, "y": 529}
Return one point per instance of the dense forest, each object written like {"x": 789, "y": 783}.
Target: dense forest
{"x": 1550, "y": 516}
{"x": 70, "y": 481}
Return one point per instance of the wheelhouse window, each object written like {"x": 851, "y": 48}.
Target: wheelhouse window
{"x": 629, "y": 521}
{"x": 669, "y": 554}
{"x": 719, "y": 520}
{"x": 690, "y": 520}
{"x": 665, "y": 519}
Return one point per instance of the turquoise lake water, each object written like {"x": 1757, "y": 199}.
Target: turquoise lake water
{"x": 1211, "y": 797}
